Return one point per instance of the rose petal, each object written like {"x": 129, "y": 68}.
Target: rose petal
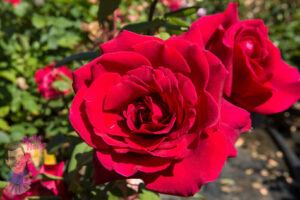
{"x": 210, "y": 23}
{"x": 202, "y": 164}
{"x": 129, "y": 164}
{"x": 233, "y": 121}
{"x": 80, "y": 122}
{"x": 122, "y": 62}
{"x": 160, "y": 54}
{"x": 124, "y": 42}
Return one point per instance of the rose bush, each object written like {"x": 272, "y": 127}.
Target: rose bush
{"x": 151, "y": 109}
{"x": 47, "y": 76}
{"x": 259, "y": 80}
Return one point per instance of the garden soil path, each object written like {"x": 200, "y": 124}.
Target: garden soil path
{"x": 258, "y": 172}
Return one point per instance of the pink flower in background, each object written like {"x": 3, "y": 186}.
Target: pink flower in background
{"x": 93, "y": 1}
{"x": 173, "y": 4}
{"x": 13, "y": 2}
{"x": 201, "y": 12}
{"x": 47, "y": 76}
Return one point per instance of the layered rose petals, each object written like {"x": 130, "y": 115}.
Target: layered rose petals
{"x": 258, "y": 79}
{"x": 151, "y": 109}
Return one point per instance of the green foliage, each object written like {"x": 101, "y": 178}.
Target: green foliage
{"x": 147, "y": 194}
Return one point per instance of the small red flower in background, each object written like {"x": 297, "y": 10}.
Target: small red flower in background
{"x": 173, "y": 4}
{"x": 13, "y": 2}
{"x": 47, "y": 76}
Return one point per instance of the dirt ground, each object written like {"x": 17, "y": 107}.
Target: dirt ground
{"x": 258, "y": 172}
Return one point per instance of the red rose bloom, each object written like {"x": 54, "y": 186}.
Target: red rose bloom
{"x": 151, "y": 110}
{"x": 173, "y": 4}
{"x": 13, "y": 2}
{"x": 259, "y": 80}
{"x": 45, "y": 78}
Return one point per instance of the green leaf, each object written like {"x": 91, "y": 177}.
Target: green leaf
{"x": 177, "y": 21}
{"x": 61, "y": 85}
{"x": 107, "y": 7}
{"x": 22, "y": 9}
{"x": 39, "y": 21}
{"x": 55, "y": 143}
{"x": 80, "y": 56}
{"x": 112, "y": 196}
{"x": 147, "y": 194}
{"x": 200, "y": 196}
{"x": 4, "y": 138}
{"x": 183, "y": 12}
{"x": 69, "y": 40}
{"x": 144, "y": 26}
{"x": 163, "y": 35}
{"x": 9, "y": 75}
{"x": 80, "y": 148}
{"x": 4, "y": 110}
{"x": 3, "y": 184}
{"x": 51, "y": 177}
{"x": 3, "y": 125}
{"x": 29, "y": 103}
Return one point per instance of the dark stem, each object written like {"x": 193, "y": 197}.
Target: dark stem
{"x": 152, "y": 9}
{"x": 64, "y": 100}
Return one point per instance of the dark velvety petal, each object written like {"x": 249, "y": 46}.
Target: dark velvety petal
{"x": 146, "y": 143}
{"x": 201, "y": 164}
{"x": 286, "y": 85}
{"x": 246, "y": 90}
{"x": 285, "y": 81}
{"x": 83, "y": 76}
{"x": 187, "y": 89}
{"x": 123, "y": 93}
{"x": 101, "y": 174}
{"x": 130, "y": 163}
{"x": 217, "y": 76}
{"x": 80, "y": 122}
{"x": 225, "y": 54}
{"x": 124, "y": 42}
{"x": 209, "y": 24}
{"x": 122, "y": 62}
{"x": 207, "y": 111}
{"x": 102, "y": 121}
{"x": 160, "y": 54}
